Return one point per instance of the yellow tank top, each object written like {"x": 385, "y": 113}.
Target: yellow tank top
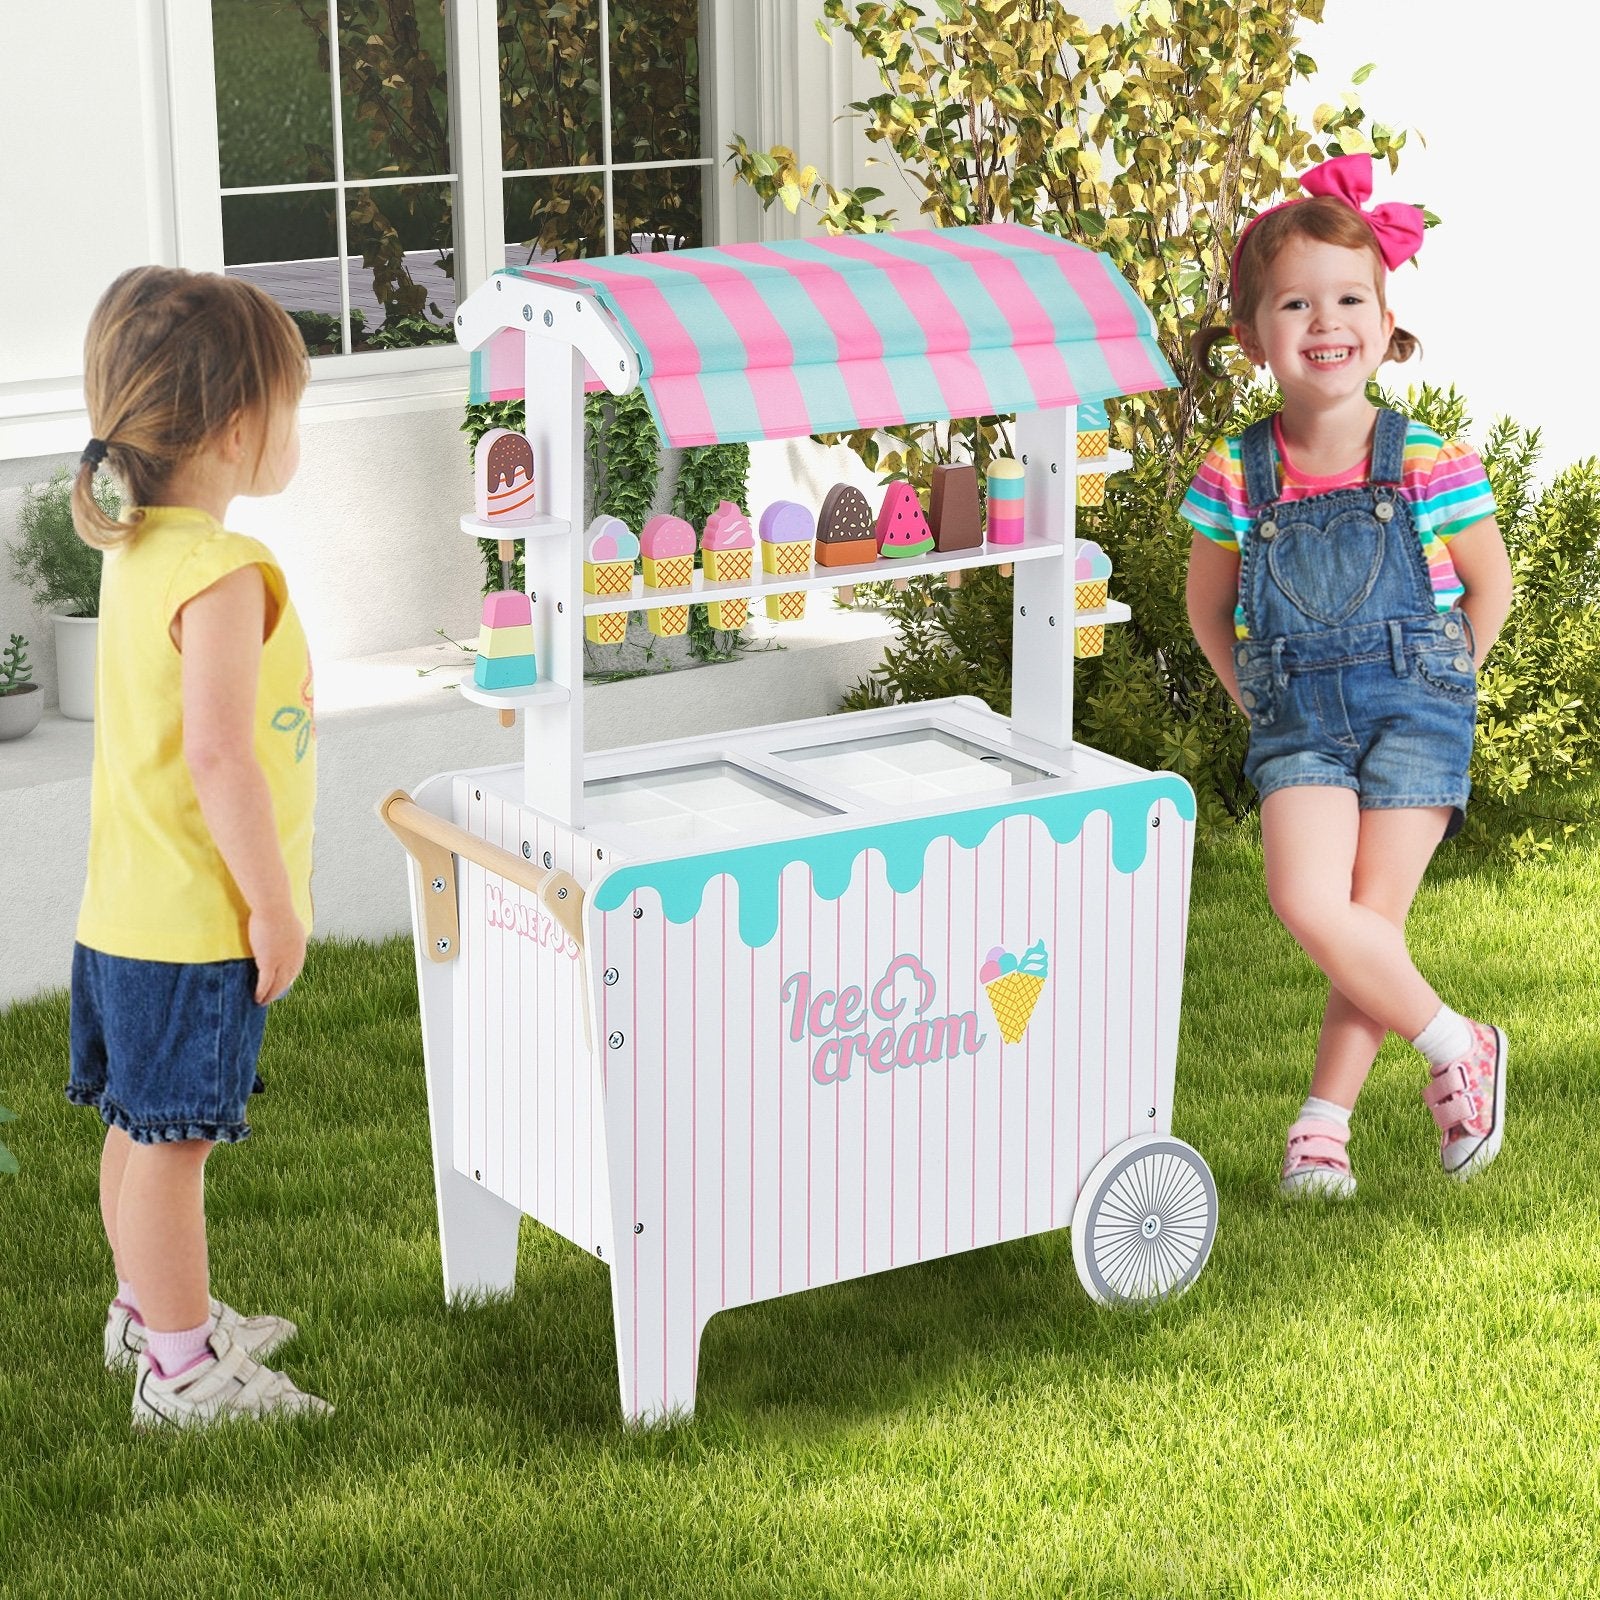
{"x": 158, "y": 889}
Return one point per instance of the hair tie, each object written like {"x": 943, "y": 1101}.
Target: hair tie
{"x": 1397, "y": 227}
{"x": 93, "y": 454}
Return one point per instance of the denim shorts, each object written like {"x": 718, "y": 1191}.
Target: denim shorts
{"x": 165, "y": 1050}
{"x": 1388, "y": 710}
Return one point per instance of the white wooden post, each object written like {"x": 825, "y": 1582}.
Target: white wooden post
{"x": 553, "y": 564}
{"x": 1043, "y": 610}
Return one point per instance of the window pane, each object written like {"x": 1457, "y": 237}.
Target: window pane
{"x": 655, "y": 80}
{"x": 550, "y": 84}
{"x": 273, "y": 99}
{"x": 555, "y": 219}
{"x": 286, "y": 244}
{"x": 391, "y": 86}
{"x": 402, "y": 268}
{"x": 660, "y": 208}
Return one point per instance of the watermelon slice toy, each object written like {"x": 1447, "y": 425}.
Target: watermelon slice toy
{"x": 902, "y": 529}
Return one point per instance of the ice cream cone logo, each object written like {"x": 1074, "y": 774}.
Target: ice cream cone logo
{"x": 1013, "y": 985}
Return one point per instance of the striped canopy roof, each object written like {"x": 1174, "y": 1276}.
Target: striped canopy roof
{"x": 771, "y": 341}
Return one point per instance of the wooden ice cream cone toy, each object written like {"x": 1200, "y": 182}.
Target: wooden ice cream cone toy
{"x": 787, "y": 530}
{"x": 609, "y": 554}
{"x": 727, "y": 554}
{"x": 668, "y": 545}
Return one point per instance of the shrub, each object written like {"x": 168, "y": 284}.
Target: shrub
{"x": 47, "y": 556}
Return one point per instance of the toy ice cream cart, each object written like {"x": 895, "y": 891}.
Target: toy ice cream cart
{"x": 746, "y": 1014}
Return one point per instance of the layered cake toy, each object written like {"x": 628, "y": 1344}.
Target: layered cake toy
{"x": 1094, "y": 431}
{"x": 505, "y": 643}
{"x": 954, "y": 516}
{"x": 1013, "y": 985}
{"x": 609, "y": 552}
{"x": 1091, "y": 574}
{"x": 728, "y": 552}
{"x": 787, "y": 531}
{"x": 1007, "y": 489}
{"x": 845, "y": 536}
{"x": 667, "y": 544}
{"x": 503, "y": 467}
{"x": 902, "y": 529}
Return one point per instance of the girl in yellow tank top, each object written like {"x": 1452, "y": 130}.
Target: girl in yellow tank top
{"x": 197, "y": 902}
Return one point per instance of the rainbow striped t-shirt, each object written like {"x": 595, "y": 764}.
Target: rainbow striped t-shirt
{"x": 1444, "y": 486}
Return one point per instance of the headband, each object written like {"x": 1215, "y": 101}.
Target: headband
{"x": 93, "y": 454}
{"x": 1397, "y": 227}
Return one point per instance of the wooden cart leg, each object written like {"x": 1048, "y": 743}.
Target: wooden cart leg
{"x": 658, "y": 1355}
{"x": 477, "y": 1229}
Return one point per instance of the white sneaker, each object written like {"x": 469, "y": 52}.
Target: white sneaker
{"x": 126, "y": 1335}
{"x": 227, "y": 1387}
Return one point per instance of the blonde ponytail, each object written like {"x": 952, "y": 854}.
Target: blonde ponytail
{"x": 171, "y": 359}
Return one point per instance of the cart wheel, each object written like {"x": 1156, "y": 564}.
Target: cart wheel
{"x": 1144, "y": 1222}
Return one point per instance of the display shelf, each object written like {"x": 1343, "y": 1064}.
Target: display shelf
{"x": 761, "y": 583}
{"x": 552, "y": 694}
{"x": 1111, "y": 461}
{"x": 539, "y": 527}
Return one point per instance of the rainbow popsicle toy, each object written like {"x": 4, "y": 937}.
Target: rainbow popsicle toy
{"x": 505, "y": 643}
{"x": 1007, "y": 491}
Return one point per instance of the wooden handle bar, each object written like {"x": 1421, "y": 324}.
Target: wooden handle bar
{"x": 432, "y": 842}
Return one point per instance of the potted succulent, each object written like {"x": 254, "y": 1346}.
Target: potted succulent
{"x": 20, "y": 699}
{"x": 63, "y": 575}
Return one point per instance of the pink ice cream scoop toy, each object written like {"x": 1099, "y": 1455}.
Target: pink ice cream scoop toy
{"x": 727, "y": 528}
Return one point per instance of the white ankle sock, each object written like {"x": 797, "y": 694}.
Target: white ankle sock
{"x": 1324, "y": 1111}
{"x": 1447, "y": 1038}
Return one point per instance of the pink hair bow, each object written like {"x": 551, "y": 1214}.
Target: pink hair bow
{"x": 1398, "y": 227}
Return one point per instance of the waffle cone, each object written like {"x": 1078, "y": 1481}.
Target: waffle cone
{"x": 787, "y": 559}
{"x": 1088, "y": 642}
{"x": 787, "y": 607}
{"x": 607, "y": 577}
{"x": 610, "y": 627}
{"x": 667, "y": 622}
{"x": 1092, "y": 489}
{"x": 728, "y": 614}
{"x": 1091, "y": 594}
{"x": 1093, "y": 442}
{"x": 727, "y": 566}
{"x": 675, "y": 572}
{"x": 1013, "y": 998}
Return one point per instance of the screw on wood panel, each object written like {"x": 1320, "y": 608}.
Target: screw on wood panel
{"x": 477, "y": 794}
{"x": 638, "y": 911}
{"x": 527, "y": 313}
{"x": 561, "y": 894}
{"x": 441, "y": 945}
{"x": 549, "y": 860}
{"x": 478, "y": 1176}
{"x": 1155, "y": 822}
{"x": 1024, "y": 461}
{"x": 578, "y": 304}
{"x": 1052, "y": 466}
{"x": 599, "y": 1252}
{"x": 638, "y": 1227}
{"x": 527, "y": 851}
{"x": 1023, "y": 610}
{"x": 615, "y": 1041}
{"x": 611, "y": 976}
{"x": 549, "y": 319}
{"x": 437, "y": 886}
{"x": 1151, "y": 1112}
{"x": 460, "y": 322}
{"x": 599, "y": 855}
{"x": 1052, "y": 622}
{"x": 499, "y": 284}
{"x": 561, "y": 605}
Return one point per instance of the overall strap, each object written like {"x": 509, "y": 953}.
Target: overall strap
{"x": 1260, "y": 464}
{"x": 1389, "y": 449}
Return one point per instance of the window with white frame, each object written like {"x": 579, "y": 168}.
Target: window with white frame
{"x": 341, "y": 192}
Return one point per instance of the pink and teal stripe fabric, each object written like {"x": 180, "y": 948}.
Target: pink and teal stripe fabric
{"x": 771, "y": 341}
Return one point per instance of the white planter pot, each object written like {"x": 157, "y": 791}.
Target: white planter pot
{"x": 19, "y": 711}
{"x": 75, "y": 647}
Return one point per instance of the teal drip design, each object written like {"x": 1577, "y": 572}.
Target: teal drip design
{"x": 682, "y": 882}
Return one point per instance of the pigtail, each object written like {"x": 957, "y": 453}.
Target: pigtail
{"x": 1202, "y": 343}
{"x": 1402, "y": 346}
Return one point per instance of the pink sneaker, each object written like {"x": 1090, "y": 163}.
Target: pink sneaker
{"x": 1316, "y": 1162}
{"x": 1468, "y": 1101}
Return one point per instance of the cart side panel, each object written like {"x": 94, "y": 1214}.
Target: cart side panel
{"x": 806, "y": 1077}
{"x": 529, "y": 1126}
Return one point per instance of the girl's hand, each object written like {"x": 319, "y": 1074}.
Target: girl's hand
{"x": 278, "y": 942}
{"x": 1212, "y": 593}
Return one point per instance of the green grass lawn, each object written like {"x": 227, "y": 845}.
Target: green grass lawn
{"x": 1394, "y": 1398}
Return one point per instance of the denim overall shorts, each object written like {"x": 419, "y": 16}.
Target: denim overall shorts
{"x": 1351, "y": 676}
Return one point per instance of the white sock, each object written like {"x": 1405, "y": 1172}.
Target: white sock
{"x": 1324, "y": 1111}
{"x": 1447, "y": 1038}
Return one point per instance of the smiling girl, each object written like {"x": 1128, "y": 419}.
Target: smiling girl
{"x": 1346, "y": 580}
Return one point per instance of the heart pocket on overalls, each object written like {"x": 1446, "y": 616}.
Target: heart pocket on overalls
{"x": 1329, "y": 572}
